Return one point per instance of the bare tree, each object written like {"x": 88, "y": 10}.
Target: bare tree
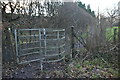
{"x": 112, "y": 15}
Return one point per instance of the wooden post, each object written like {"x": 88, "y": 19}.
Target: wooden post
{"x": 115, "y": 34}
{"x": 119, "y": 47}
{"x": 119, "y": 40}
{"x": 72, "y": 41}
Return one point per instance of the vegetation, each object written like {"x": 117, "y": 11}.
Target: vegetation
{"x": 88, "y": 9}
{"x": 110, "y": 33}
{"x": 96, "y": 55}
{"x": 95, "y": 68}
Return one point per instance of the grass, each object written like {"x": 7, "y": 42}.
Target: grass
{"x": 110, "y": 33}
{"x": 95, "y": 68}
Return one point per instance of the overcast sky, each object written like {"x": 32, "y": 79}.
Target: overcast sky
{"x": 102, "y": 4}
{"x": 94, "y": 4}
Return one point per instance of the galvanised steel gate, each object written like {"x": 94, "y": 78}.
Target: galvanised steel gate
{"x": 43, "y": 45}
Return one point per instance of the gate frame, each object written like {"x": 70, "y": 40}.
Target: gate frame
{"x": 41, "y": 60}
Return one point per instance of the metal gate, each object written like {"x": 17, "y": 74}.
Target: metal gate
{"x": 44, "y": 45}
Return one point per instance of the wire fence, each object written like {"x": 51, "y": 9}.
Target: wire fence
{"x": 90, "y": 45}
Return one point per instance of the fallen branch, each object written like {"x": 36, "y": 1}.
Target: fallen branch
{"x": 109, "y": 49}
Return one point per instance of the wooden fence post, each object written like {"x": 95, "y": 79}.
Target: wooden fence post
{"x": 72, "y": 41}
{"x": 115, "y": 34}
{"x": 119, "y": 39}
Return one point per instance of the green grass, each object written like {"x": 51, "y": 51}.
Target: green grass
{"x": 110, "y": 33}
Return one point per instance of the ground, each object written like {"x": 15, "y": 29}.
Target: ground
{"x": 95, "y": 68}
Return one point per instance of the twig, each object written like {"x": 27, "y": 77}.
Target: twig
{"x": 102, "y": 59}
{"x": 109, "y": 49}
{"x": 88, "y": 54}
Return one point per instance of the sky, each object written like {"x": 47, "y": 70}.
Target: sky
{"x": 102, "y": 4}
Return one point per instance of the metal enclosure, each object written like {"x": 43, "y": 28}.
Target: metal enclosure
{"x": 44, "y": 45}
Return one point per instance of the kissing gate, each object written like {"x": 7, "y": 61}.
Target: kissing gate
{"x": 43, "y": 45}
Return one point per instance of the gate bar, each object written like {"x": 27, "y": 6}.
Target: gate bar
{"x": 41, "y": 66}
{"x": 45, "y": 40}
{"x": 16, "y": 40}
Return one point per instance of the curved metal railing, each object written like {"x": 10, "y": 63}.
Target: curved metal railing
{"x": 43, "y": 44}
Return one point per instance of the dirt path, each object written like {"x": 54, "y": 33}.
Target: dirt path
{"x": 32, "y": 70}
